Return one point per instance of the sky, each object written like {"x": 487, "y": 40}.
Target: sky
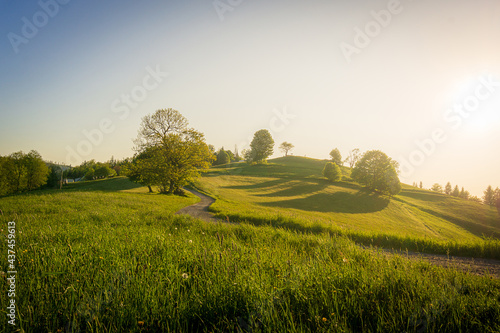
{"x": 417, "y": 79}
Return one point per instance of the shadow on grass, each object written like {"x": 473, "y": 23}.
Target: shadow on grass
{"x": 423, "y": 196}
{"x": 105, "y": 185}
{"x": 338, "y": 202}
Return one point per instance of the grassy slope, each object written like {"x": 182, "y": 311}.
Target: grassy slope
{"x": 292, "y": 189}
{"x": 105, "y": 257}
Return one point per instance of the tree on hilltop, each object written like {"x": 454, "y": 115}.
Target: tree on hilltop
{"x": 456, "y": 191}
{"x": 378, "y": 172}
{"x": 336, "y": 156}
{"x": 489, "y": 196}
{"x": 286, "y": 147}
{"x": 353, "y": 157}
{"x": 261, "y": 147}
{"x": 437, "y": 188}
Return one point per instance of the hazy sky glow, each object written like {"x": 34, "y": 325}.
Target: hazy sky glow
{"x": 234, "y": 69}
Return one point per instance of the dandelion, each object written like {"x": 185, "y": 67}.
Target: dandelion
{"x": 175, "y": 228}
{"x": 190, "y": 241}
{"x": 101, "y": 258}
{"x": 324, "y": 319}
{"x": 170, "y": 234}
{"x": 185, "y": 275}
{"x": 140, "y": 323}
{"x": 188, "y": 230}
{"x": 202, "y": 233}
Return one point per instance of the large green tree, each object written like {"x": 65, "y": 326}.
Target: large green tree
{"x": 262, "y": 146}
{"x": 174, "y": 153}
{"x": 378, "y": 172}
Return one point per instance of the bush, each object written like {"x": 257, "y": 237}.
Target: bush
{"x": 332, "y": 172}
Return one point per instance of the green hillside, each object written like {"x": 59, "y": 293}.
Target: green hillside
{"x": 106, "y": 256}
{"x": 291, "y": 191}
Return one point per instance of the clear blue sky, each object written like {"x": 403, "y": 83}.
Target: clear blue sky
{"x": 241, "y": 66}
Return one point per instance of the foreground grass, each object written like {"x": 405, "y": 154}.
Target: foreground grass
{"x": 290, "y": 193}
{"x": 113, "y": 262}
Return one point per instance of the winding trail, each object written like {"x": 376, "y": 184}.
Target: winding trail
{"x": 476, "y": 266}
{"x": 200, "y": 209}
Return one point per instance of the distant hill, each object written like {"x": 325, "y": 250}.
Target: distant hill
{"x": 292, "y": 188}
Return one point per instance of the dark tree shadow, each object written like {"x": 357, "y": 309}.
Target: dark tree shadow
{"x": 338, "y": 202}
{"x": 104, "y": 185}
{"x": 423, "y": 196}
{"x": 265, "y": 184}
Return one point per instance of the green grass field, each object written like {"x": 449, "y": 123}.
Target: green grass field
{"x": 290, "y": 192}
{"x": 106, "y": 256}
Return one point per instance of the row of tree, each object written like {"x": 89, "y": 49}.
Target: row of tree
{"x": 21, "y": 172}
{"x": 90, "y": 170}
{"x": 491, "y": 196}
{"x": 223, "y": 156}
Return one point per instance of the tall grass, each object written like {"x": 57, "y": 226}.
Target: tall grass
{"x": 121, "y": 262}
{"x": 480, "y": 248}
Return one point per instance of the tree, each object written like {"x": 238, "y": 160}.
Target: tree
{"x": 237, "y": 157}
{"x": 464, "y": 194}
{"x": 496, "y": 199}
{"x": 456, "y": 191}
{"x": 336, "y": 157}
{"x": 90, "y": 174}
{"x": 230, "y": 155}
{"x": 222, "y": 157}
{"x": 378, "y": 172}
{"x": 353, "y": 157}
{"x": 36, "y": 170}
{"x": 286, "y": 147}
{"x": 421, "y": 184}
{"x": 447, "y": 188}
{"x": 142, "y": 169}
{"x": 437, "y": 188}
{"x": 104, "y": 171}
{"x": 332, "y": 172}
{"x": 489, "y": 196}
{"x": 172, "y": 153}
{"x": 262, "y": 146}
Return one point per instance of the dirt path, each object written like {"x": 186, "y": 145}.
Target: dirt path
{"x": 472, "y": 265}
{"x": 476, "y": 266}
{"x": 200, "y": 209}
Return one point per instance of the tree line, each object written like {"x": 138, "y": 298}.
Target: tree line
{"x": 490, "y": 197}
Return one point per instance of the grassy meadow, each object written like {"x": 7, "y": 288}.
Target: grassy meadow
{"x": 290, "y": 192}
{"x": 106, "y": 256}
